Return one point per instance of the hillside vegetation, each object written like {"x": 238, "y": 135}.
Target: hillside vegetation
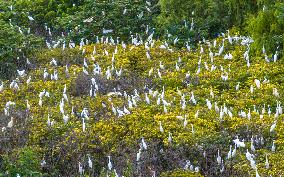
{"x": 152, "y": 109}
{"x": 141, "y": 88}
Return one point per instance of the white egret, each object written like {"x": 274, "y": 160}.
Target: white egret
{"x": 138, "y": 155}
{"x": 90, "y": 163}
{"x": 143, "y": 143}
{"x": 161, "y": 127}
{"x": 109, "y": 163}
{"x": 11, "y": 123}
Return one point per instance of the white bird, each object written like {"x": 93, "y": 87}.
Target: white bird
{"x": 144, "y": 145}
{"x": 120, "y": 113}
{"x": 161, "y": 127}
{"x": 273, "y": 127}
{"x": 31, "y": 18}
{"x": 11, "y": 123}
{"x": 196, "y": 114}
{"x": 48, "y": 121}
{"x": 29, "y": 80}
{"x": 257, "y": 83}
{"x": 28, "y": 105}
{"x": 140, "y": 15}
{"x": 148, "y": 56}
{"x": 90, "y": 163}
{"x": 192, "y": 98}
{"x": 248, "y": 155}
{"x": 88, "y": 20}
{"x": 252, "y": 164}
{"x": 10, "y": 103}
{"x": 185, "y": 122}
{"x": 252, "y": 148}
{"x": 208, "y": 103}
{"x": 47, "y": 94}
{"x": 65, "y": 118}
{"x": 161, "y": 65}
{"x": 1, "y": 86}
{"x": 251, "y": 89}
{"x": 177, "y": 67}
{"x": 170, "y": 139}
{"x": 273, "y": 147}
{"x": 85, "y": 63}
{"x": 40, "y": 102}
{"x": 65, "y": 96}
{"x": 219, "y": 158}
{"x": 187, "y": 165}
{"x": 266, "y": 162}
{"x": 118, "y": 73}
{"x": 147, "y": 99}
{"x": 176, "y": 40}
{"x": 83, "y": 125}
{"x": 238, "y": 86}
{"x": 113, "y": 109}
{"x": 80, "y": 168}
{"x": 228, "y": 56}
{"x": 45, "y": 74}
{"x": 43, "y": 163}
{"x": 21, "y": 73}
{"x": 256, "y": 173}
{"x": 234, "y": 151}
{"x": 138, "y": 155}
{"x": 53, "y": 62}
{"x": 126, "y": 111}
{"x": 239, "y": 143}
{"x": 165, "y": 109}
{"x": 106, "y": 31}
{"x": 109, "y": 163}
{"x": 192, "y": 129}
{"x": 229, "y": 156}
{"x": 85, "y": 71}
{"x": 124, "y": 11}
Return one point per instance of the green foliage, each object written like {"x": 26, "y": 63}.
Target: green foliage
{"x": 120, "y": 15}
{"x": 15, "y": 47}
{"x": 65, "y": 57}
{"x": 24, "y": 162}
{"x": 43, "y": 12}
{"x": 181, "y": 173}
{"x": 209, "y": 17}
{"x": 63, "y": 145}
{"x": 267, "y": 28}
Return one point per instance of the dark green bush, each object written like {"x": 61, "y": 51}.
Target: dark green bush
{"x": 267, "y": 28}
{"x": 24, "y": 162}
{"x": 14, "y": 48}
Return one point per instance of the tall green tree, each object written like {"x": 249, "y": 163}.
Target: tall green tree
{"x": 267, "y": 27}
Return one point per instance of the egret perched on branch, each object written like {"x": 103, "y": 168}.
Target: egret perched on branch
{"x": 161, "y": 127}
{"x": 21, "y": 73}
{"x": 109, "y": 165}
{"x": 53, "y": 62}
{"x": 1, "y": 86}
{"x": 143, "y": 143}
{"x": 90, "y": 163}
{"x": 138, "y": 156}
{"x": 257, "y": 83}
{"x": 11, "y": 123}
{"x": 239, "y": 143}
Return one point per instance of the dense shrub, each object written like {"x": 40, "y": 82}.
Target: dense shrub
{"x": 24, "y": 162}
{"x": 267, "y": 28}
{"x": 15, "y": 47}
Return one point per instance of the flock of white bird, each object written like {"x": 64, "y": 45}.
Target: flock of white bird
{"x": 153, "y": 97}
